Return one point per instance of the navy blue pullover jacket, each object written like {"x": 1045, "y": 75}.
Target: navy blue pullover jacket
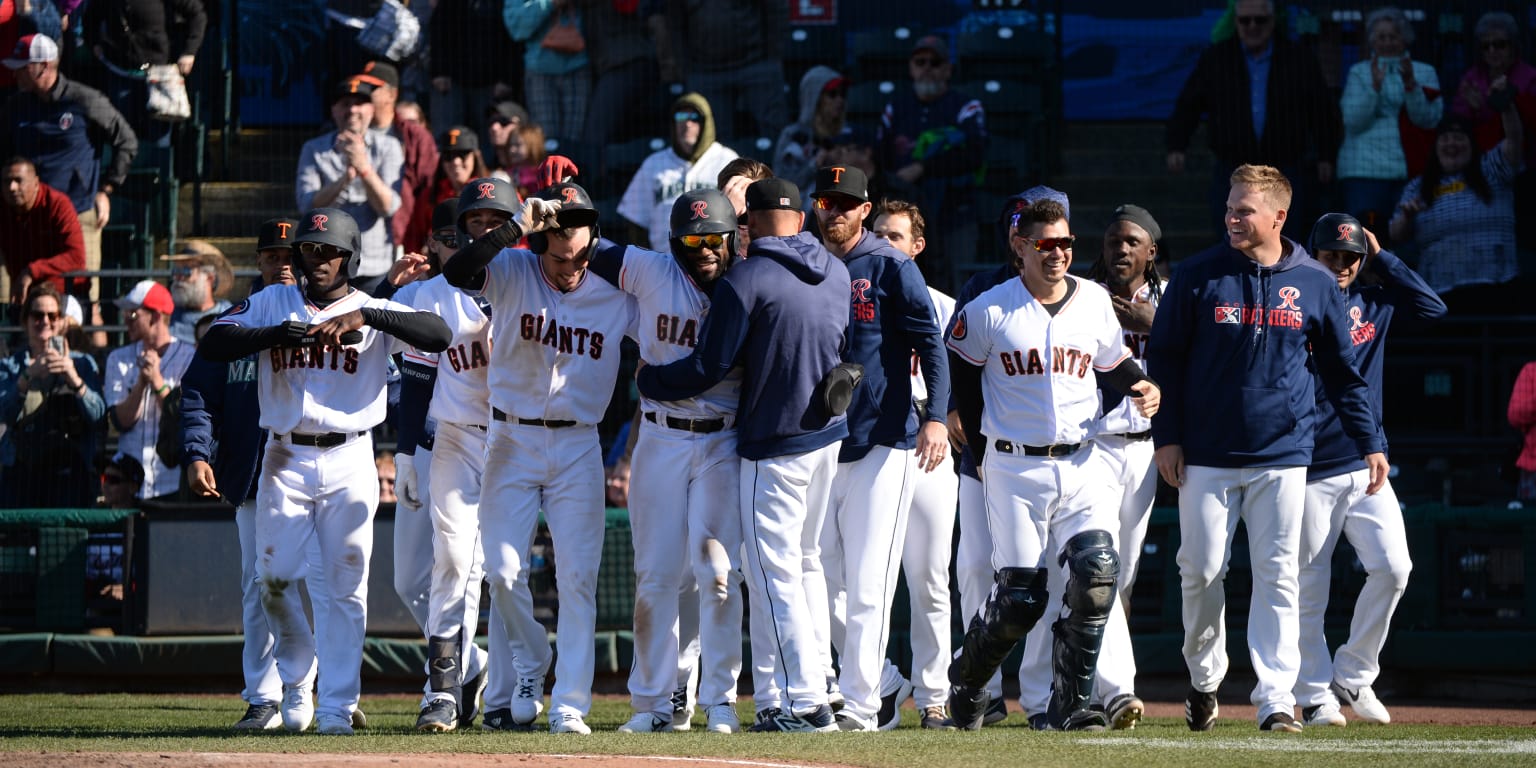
{"x": 1229, "y": 346}
{"x": 219, "y": 423}
{"x": 782, "y": 314}
{"x": 1370, "y": 309}
{"x": 890, "y": 316}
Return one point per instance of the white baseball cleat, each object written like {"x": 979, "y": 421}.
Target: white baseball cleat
{"x": 527, "y": 699}
{"x": 643, "y": 722}
{"x": 298, "y": 708}
{"x": 1364, "y": 702}
{"x": 722, "y": 718}
{"x": 336, "y": 725}
{"x": 1326, "y": 713}
{"x": 568, "y": 722}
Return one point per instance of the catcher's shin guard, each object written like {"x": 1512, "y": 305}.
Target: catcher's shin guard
{"x": 1018, "y": 600}
{"x": 1092, "y": 568}
{"x": 444, "y": 675}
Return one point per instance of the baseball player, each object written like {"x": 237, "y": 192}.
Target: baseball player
{"x": 321, "y": 387}
{"x": 930, "y": 522}
{"x": 443, "y": 405}
{"x": 1336, "y": 483}
{"x": 891, "y": 317}
{"x": 552, "y": 375}
{"x": 781, "y": 315}
{"x": 222, "y": 440}
{"x": 973, "y": 555}
{"x": 1034, "y": 342}
{"x": 1231, "y": 340}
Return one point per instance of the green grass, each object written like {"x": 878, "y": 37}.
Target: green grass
{"x": 190, "y": 723}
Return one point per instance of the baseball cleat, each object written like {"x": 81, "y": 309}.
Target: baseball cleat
{"x": 359, "y": 720}
{"x": 682, "y": 714}
{"x": 298, "y": 708}
{"x": 776, "y": 720}
{"x": 1086, "y": 720}
{"x": 1364, "y": 702}
{"x": 1124, "y": 711}
{"x": 260, "y": 717}
{"x": 850, "y": 724}
{"x": 568, "y": 722}
{"x": 1039, "y": 722}
{"x": 440, "y": 716}
{"x": 1325, "y": 714}
{"x": 997, "y": 711}
{"x": 528, "y": 699}
{"x": 1280, "y": 722}
{"x": 336, "y": 725}
{"x": 722, "y": 718}
{"x": 936, "y": 719}
{"x": 890, "y": 704}
{"x": 1200, "y": 710}
{"x": 968, "y": 707}
{"x": 644, "y": 722}
{"x": 501, "y": 720}
{"x": 472, "y": 693}
{"x": 835, "y": 698}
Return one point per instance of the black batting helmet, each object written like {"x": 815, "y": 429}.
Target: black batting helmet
{"x": 702, "y": 212}
{"x": 489, "y": 193}
{"x": 329, "y": 226}
{"x": 1338, "y": 232}
{"x": 576, "y": 210}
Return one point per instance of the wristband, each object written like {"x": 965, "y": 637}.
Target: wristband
{"x": 163, "y": 388}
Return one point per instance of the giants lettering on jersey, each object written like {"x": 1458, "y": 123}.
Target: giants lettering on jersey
{"x": 564, "y": 339}
{"x": 863, "y": 306}
{"x": 676, "y": 330}
{"x": 463, "y": 359}
{"x": 332, "y": 358}
{"x": 1360, "y": 330}
{"x": 1073, "y": 362}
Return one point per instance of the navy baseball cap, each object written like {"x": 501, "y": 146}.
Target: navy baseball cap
{"x": 773, "y": 194}
{"x": 842, "y": 180}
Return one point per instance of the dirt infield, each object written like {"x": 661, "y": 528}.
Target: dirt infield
{"x": 311, "y": 760}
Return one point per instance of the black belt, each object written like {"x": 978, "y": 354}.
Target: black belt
{"x": 498, "y": 415}
{"x": 701, "y": 426}
{"x": 325, "y": 440}
{"x": 1145, "y": 434}
{"x": 1049, "y": 451}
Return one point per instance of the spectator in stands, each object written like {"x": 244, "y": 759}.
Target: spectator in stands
{"x": 1498, "y": 43}
{"x": 357, "y": 170}
{"x": 52, "y": 409}
{"x": 20, "y": 17}
{"x": 693, "y": 161}
{"x": 1522, "y": 416}
{"x": 1266, "y": 103}
{"x": 459, "y": 160}
{"x": 933, "y": 144}
{"x": 518, "y": 158}
{"x": 42, "y": 121}
{"x": 823, "y": 117}
{"x": 410, "y": 112}
{"x": 557, "y": 81}
{"x": 130, "y": 36}
{"x": 473, "y": 63}
{"x": 731, "y": 52}
{"x": 144, "y": 375}
{"x": 39, "y": 232}
{"x": 416, "y": 144}
{"x": 121, "y": 478}
{"x": 1461, "y": 213}
{"x": 201, "y": 282}
{"x": 1380, "y": 93}
{"x": 625, "y": 79}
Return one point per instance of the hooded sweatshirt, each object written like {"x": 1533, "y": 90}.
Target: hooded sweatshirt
{"x": 1229, "y": 346}
{"x": 668, "y": 173}
{"x": 794, "y": 155}
{"x": 782, "y": 315}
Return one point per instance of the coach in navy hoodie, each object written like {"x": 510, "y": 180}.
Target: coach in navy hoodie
{"x": 782, "y": 314}
{"x": 1230, "y": 347}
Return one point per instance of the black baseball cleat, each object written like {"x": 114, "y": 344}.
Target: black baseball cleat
{"x": 1200, "y": 710}
{"x": 968, "y": 706}
{"x": 501, "y": 720}
{"x": 1280, "y": 722}
{"x": 439, "y": 716}
{"x": 1085, "y": 720}
{"x": 997, "y": 711}
{"x": 1039, "y": 722}
{"x": 260, "y": 717}
{"x": 469, "y": 707}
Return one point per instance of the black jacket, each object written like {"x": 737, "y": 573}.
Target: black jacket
{"x": 133, "y": 33}
{"x": 1301, "y": 112}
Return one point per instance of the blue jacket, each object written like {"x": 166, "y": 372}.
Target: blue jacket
{"x": 890, "y": 316}
{"x": 782, "y": 314}
{"x": 977, "y": 285}
{"x": 219, "y": 423}
{"x": 1370, "y": 309}
{"x": 1229, "y": 346}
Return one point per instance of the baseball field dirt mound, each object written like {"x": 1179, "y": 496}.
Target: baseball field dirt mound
{"x": 314, "y": 760}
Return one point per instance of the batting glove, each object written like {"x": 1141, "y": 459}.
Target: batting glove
{"x": 537, "y": 215}
{"x": 405, "y": 480}
{"x": 555, "y": 169}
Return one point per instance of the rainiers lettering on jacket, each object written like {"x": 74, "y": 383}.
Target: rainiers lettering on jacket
{"x": 1287, "y": 315}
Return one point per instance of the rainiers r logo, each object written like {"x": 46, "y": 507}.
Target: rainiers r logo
{"x": 569, "y": 193}
{"x": 1346, "y": 232}
{"x": 700, "y": 209}
{"x": 317, "y": 223}
{"x": 487, "y": 191}
{"x": 1288, "y": 296}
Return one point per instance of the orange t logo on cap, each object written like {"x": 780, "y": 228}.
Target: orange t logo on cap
{"x": 837, "y": 174}
{"x": 282, "y": 230}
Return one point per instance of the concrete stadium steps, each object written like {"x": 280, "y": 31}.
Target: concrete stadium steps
{"x": 235, "y": 208}
{"x": 258, "y": 154}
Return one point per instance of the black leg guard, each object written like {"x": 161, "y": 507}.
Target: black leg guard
{"x": 443, "y": 673}
{"x": 1092, "y": 568}
{"x": 1018, "y": 601}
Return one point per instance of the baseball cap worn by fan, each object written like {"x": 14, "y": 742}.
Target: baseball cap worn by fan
{"x": 32, "y": 49}
{"x": 147, "y": 294}
{"x": 932, "y": 43}
{"x": 201, "y": 253}
{"x": 773, "y": 194}
{"x": 383, "y": 72}
{"x": 842, "y": 180}
{"x": 460, "y": 138}
{"x": 361, "y": 87}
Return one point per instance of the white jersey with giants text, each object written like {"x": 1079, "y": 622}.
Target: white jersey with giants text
{"x": 459, "y": 394}
{"x": 672, "y": 309}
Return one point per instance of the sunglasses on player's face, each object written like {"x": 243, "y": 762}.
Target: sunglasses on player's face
{"x": 1048, "y": 244}
{"x": 713, "y": 240}
{"x": 831, "y": 203}
{"x": 325, "y": 249}
{"x": 449, "y": 239}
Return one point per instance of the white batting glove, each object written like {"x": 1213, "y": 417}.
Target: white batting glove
{"x": 405, "y": 480}
{"x": 537, "y": 215}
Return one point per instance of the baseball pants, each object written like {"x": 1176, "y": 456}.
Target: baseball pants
{"x": 1269, "y": 501}
{"x": 1374, "y": 526}
{"x": 258, "y": 657}
{"x": 861, "y": 547}
{"x": 784, "y": 502}
{"x": 324, "y": 495}
{"x": 973, "y": 563}
{"x": 413, "y": 543}
{"x": 559, "y": 470}
{"x": 457, "y": 561}
{"x": 925, "y": 560}
{"x": 682, "y": 481}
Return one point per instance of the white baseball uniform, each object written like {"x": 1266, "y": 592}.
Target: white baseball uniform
{"x": 551, "y": 377}
{"x": 139, "y": 440}
{"x": 461, "y": 412}
{"x": 925, "y": 555}
{"x": 663, "y": 178}
{"x": 327, "y": 492}
{"x": 684, "y": 465}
